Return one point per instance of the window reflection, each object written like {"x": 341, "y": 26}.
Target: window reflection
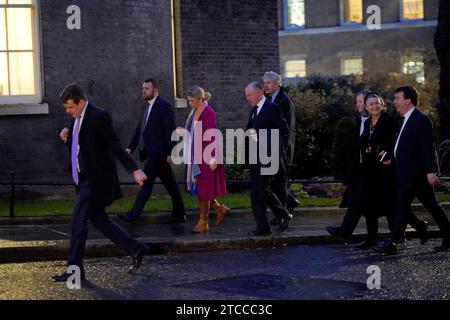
{"x": 4, "y": 88}
{"x": 17, "y": 49}
{"x": 2, "y": 29}
{"x": 295, "y": 68}
{"x": 352, "y": 66}
{"x": 353, "y": 11}
{"x": 21, "y": 73}
{"x": 19, "y": 29}
{"x": 413, "y": 9}
{"x": 295, "y": 10}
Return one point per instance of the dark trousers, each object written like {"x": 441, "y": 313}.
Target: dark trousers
{"x": 279, "y": 185}
{"x": 291, "y": 202}
{"x": 372, "y": 226}
{"x": 357, "y": 207}
{"x": 403, "y": 214}
{"x": 162, "y": 170}
{"x": 84, "y": 210}
{"x": 263, "y": 196}
{"x": 354, "y": 212}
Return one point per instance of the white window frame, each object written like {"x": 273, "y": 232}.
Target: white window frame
{"x": 401, "y": 19}
{"x": 28, "y": 104}
{"x": 342, "y": 15}
{"x": 285, "y": 18}
{"x": 351, "y": 58}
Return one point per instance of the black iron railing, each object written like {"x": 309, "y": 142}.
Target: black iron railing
{"x": 13, "y": 184}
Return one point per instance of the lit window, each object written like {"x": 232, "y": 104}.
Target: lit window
{"x": 19, "y": 68}
{"x": 415, "y": 66}
{"x": 295, "y": 13}
{"x": 353, "y": 11}
{"x": 295, "y": 68}
{"x": 352, "y": 66}
{"x": 412, "y": 9}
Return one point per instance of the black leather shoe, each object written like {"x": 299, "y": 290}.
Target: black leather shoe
{"x": 137, "y": 259}
{"x": 366, "y": 245}
{"x": 388, "y": 247}
{"x": 64, "y": 276}
{"x": 259, "y": 233}
{"x": 275, "y": 221}
{"x": 422, "y": 232}
{"x": 338, "y": 233}
{"x": 445, "y": 245}
{"x": 179, "y": 219}
{"x": 291, "y": 206}
{"x": 128, "y": 218}
{"x": 284, "y": 223}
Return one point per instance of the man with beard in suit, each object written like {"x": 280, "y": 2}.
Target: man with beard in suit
{"x": 153, "y": 138}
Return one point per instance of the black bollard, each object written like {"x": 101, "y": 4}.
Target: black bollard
{"x": 11, "y": 207}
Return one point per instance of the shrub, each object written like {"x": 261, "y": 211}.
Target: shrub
{"x": 322, "y": 101}
{"x": 343, "y": 145}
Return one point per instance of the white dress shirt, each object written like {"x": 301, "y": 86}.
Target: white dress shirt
{"x": 274, "y": 96}
{"x": 406, "y": 116}
{"x": 361, "y": 128}
{"x": 150, "y": 106}
{"x": 260, "y": 105}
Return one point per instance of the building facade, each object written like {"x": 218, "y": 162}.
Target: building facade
{"x": 109, "y": 47}
{"x": 357, "y": 37}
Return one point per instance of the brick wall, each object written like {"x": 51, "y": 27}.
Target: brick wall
{"x": 226, "y": 45}
{"x": 382, "y": 50}
{"x": 120, "y": 43}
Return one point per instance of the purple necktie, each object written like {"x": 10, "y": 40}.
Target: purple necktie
{"x": 74, "y": 153}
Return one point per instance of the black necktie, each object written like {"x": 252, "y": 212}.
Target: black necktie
{"x": 253, "y": 118}
{"x": 143, "y": 125}
{"x": 255, "y": 112}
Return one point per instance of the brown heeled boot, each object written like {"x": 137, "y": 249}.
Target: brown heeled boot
{"x": 202, "y": 225}
{"x": 221, "y": 211}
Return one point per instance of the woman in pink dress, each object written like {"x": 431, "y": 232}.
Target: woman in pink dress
{"x": 205, "y": 169}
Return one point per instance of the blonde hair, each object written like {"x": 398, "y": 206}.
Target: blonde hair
{"x": 375, "y": 95}
{"x": 199, "y": 93}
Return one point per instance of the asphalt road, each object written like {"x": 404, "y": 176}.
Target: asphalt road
{"x": 302, "y": 272}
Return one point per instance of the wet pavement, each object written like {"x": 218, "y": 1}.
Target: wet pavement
{"x": 40, "y": 242}
{"x": 283, "y": 273}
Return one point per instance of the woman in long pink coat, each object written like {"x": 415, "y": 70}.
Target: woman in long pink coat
{"x": 205, "y": 169}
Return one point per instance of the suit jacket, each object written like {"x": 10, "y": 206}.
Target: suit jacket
{"x": 382, "y": 138}
{"x": 288, "y": 110}
{"x": 378, "y": 187}
{"x": 99, "y": 146}
{"x": 270, "y": 117}
{"x": 416, "y": 154}
{"x": 353, "y": 165}
{"x": 157, "y": 132}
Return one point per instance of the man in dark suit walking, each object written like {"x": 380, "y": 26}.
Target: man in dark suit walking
{"x": 416, "y": 169}
{"x": 93, "y": 144}
{"x": 275, "y": 94}
{"x": 153, "y": 137}
{"x": 354, "y": 177}
{"x": 264, "y": 118}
